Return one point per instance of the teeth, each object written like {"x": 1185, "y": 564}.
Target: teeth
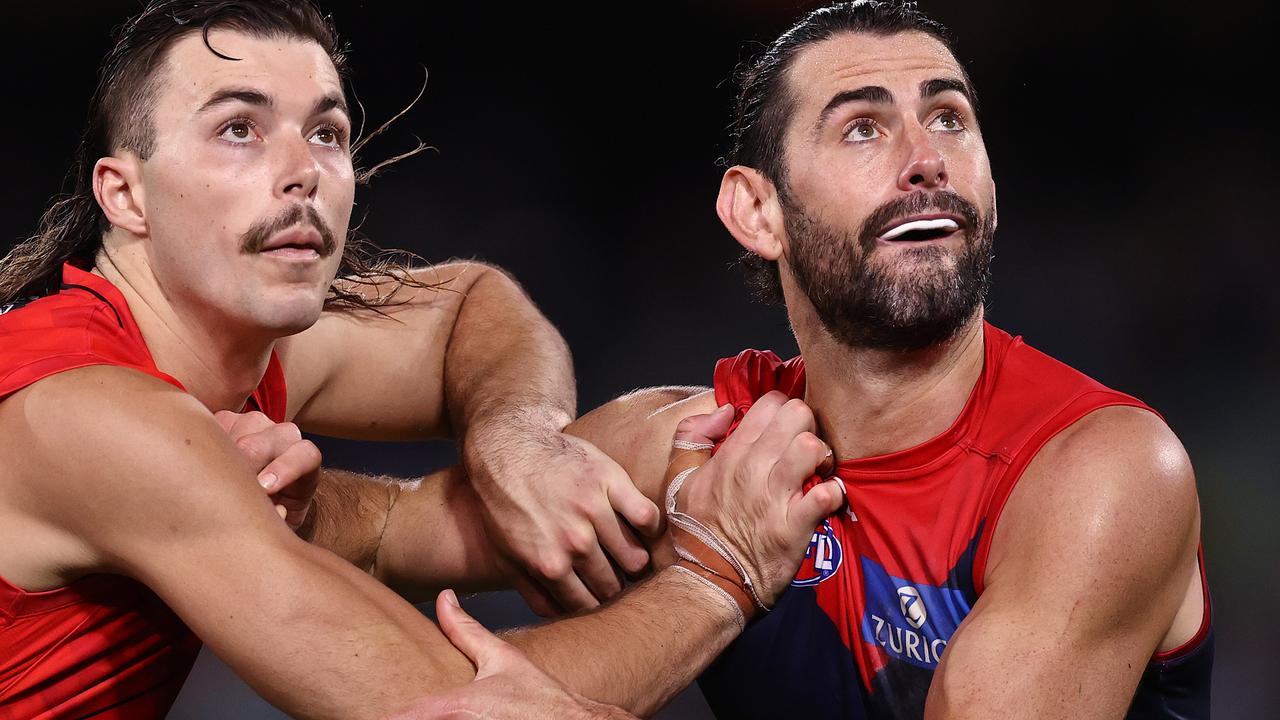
{"x": 939, "y": 224}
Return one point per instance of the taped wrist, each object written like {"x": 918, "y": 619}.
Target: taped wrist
{"x": 701, "y": 552}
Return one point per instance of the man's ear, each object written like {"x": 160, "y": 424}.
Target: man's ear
{"x": 117, "y": 186}
{"x": 748, "y": 207}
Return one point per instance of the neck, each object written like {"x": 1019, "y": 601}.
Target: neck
{"x": 220, "y": 368}
{"x": 872, "y": 402}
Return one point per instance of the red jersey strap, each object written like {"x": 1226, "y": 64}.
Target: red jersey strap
{"x": 1020, "y": 456}
{"x": 86, "y": 323}
{"x": 271, "y": 396}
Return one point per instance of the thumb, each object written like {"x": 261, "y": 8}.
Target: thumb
{"x": 822, "y": 500}
{"x": 482, "y": 647}
{"x": 709, "y": 428}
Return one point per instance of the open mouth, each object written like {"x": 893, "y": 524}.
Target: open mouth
{"x": 921, "y": 230}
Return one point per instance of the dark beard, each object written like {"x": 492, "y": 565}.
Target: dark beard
{"x": 868, "y": 305}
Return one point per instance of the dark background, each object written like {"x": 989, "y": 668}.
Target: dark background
{"x": 1133, "y": 147}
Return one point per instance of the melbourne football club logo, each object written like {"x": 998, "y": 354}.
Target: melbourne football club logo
{"x": 822, "y": 558}
{"x": 912, "y": 606}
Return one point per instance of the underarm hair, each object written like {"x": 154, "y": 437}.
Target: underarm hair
{"x": 349, "y": 515}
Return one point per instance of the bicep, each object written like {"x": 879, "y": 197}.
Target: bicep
{"x": 636, "y": 430}
{"x": 1085, "y": 576}
{"x": 157, "y": 492}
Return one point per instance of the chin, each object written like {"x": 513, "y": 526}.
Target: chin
{"x": 289, "y": 316}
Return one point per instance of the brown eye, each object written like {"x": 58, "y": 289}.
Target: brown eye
{"x": 239, "y": 132}
{"x": 327, "y": 136}
{"x": 862, "y": 131}
{"x": 948, "y": 122}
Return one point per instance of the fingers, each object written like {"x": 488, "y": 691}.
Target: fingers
{"x": 790, "y": 419}
{"x": 622, "y": 544}
{"x": 299, "y": 459}
{"x": 480, "y": 646}
{"x": 538, "y": 599}
{"x": 820, "y": 502}
{"x": 798, "y": 463}
{"x": 559, "y": 578}
{"x": 627, "y": 500}
{"x": 599, "y": 575}
{"x": 758, "y": 418}
{"x": 239, "y": 424}
{"x": 262, "y": 446}
{"x": 710, "y": 428}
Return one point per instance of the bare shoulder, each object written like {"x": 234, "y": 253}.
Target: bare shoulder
{"x": 122, "y": 461}
{"x": 636, "y": 429}
{"x": 1110, "y": 503}
{"x": 1116, "y": 457}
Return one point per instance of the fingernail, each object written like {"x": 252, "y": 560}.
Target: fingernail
{"x": 267, "y": 480}
{"x": 450, "y": 598}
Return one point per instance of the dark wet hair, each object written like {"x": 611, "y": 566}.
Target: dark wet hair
{"x": 765, "y": 103}
{"x": 120, "y": 118}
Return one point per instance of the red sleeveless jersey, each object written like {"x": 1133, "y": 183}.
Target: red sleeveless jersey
{"x": 104, "y": 646}
{"x": 884, "y": 585}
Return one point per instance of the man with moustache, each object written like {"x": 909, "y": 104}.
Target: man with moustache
{"x": 1019, "y": 540}
{"x": 191, "y": 276}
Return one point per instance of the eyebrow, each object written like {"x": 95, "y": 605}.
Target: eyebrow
{"x": 930, "y": 88}
{"x": 258, "y": 98}
{"x": 881, "y": 96}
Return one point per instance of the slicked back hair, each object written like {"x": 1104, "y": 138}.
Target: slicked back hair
{"x": 120, "y": 119}
{"x": 765, "y": 102}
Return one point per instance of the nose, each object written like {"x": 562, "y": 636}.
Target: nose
{"x": 925, "y": 169}
{"x": 299, "y": 171}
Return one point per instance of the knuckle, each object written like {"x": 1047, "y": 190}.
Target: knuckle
{"x": 552, "y": 567}
{"x": 798, "y": 409}
{"x": 810, "y": 443}
{"x": 579, "y": 541}
{"x": 310, "y": 453}
{"x": 645, "y": 514}
{"x": 291, "y": 430}
{"x": 250, "y": 445}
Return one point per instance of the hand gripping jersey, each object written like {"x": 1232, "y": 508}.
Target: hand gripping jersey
{"x": 884, "y": 585}
{"x": 104, "y": 646}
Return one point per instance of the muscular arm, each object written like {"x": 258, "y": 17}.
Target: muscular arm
{"x": 475, "y": 359}
{"x": 424, "y": 535}
{"x": 141, "y": 480}
{"x": 448, "y": 358}
{"x": 1088, "y": 567}
{"x": 635, "y": 652}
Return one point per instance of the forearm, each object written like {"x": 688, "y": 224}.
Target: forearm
{"x": 505, "y": 364}
{"x": 417, "y": 537}
{"x": 640, "y": 650}
{"x": 324, "y": 644}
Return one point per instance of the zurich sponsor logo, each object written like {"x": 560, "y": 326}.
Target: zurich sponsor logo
{"x": 822, "y": 558}
{"x": 910, "y": 621}
{"x": 912, "y": 606}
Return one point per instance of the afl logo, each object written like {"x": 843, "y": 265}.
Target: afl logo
{"x": 821, "y": 559}
{"x": 912, "y": 606}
